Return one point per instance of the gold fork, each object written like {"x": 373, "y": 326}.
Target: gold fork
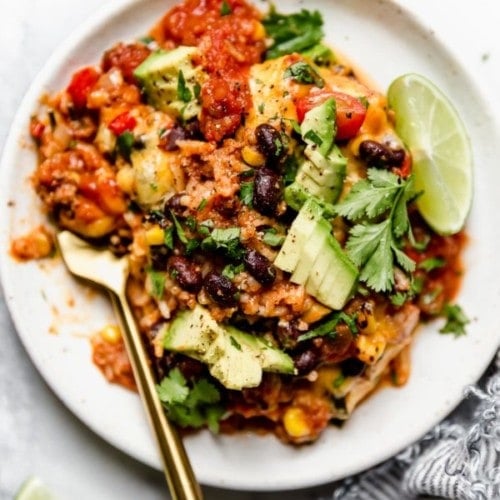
{"x": 102, "y": 268}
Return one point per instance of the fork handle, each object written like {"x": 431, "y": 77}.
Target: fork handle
{"x": 178, "y": 472}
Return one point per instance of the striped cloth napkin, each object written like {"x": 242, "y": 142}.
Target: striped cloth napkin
{"x": 459, "y": 459}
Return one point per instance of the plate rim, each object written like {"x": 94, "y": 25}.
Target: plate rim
{"x": 17, "y": 129}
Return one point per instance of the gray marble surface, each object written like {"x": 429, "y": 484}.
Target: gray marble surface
{"x": 38, "y": 435}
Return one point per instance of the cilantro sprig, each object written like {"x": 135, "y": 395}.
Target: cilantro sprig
{"x": 227, "y": 240}
{"x": 292, "y": 33}
{"x": 193, "y": 406}
{"x": 456, "y": 320}
{"x": 328, "y": 328}
{"x": 301, "y": 72}
{"x": 378, "y": 206}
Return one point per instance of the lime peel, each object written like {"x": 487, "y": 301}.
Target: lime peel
{"x": 436, "y": 137}
{"x": 34, "y": 489}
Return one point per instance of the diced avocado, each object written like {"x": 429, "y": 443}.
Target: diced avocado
{"x": 339, "y": 282}
{"x": 234, "y": 365}
{"x": 192, "y": 331}
{"x": 318, "y": 177}
{"x": 296, "y": 195}
{"x": 271, "y": 358}
{"x": 330, "y": 170}
{"x": 316, "y": 259}
{"x": 171, "y": 81}
{"x": 297, "y": 236}
{"x": 315, "y": 244}
{"x": 319, "y": 126}
{"x": 235, "y": 358}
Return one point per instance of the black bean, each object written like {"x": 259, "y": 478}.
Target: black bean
{"x": 221, "y": 289}
{"x": 288, "y": 334}
{"x": 270, "y": 142}
{"x": 187, "y": 273}
{"x": 378, "y": 155}
{"x": 306, "y": 361}
{"x": 267, "y": 191}
{"x": 375, "y": 154}
{"x": 193, "y": 130}
{"x": 174, "y": 204}
{"x": 159, "y": 257}
{"x": 260, "y": 267}
{"x": 120, "y": 242}
{"x": 352, "y": 367}
{"x": 168, "y": 140}
{"x": 397, "y": 157}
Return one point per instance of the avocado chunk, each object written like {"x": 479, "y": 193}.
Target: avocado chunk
{"x": 339, "y": 282}
{"x": 319, "y": 126}
{"x": 171, "y": 81}
{"x": 316, "y": 260}
{"x": 318, "y": 177}
{"x": 298, "y": 236}
{"x": 235, "y": 358}
{"x": 309, "y": 252}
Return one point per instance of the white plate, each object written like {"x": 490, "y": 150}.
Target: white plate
{"x": 55, "y": 316}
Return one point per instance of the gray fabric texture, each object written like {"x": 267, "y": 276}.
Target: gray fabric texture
{"x": 459, "y": 459}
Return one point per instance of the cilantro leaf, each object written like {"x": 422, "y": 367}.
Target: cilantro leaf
{"x": 369, "y": 246}
{"x": 455, "y": 320}
{"x": 328, "y": 327}
{"x": 179, "y": 229}
{"x": 227, "y": 240}
{"x": 370, "y": 197}
{"x": 173, "y": 389}
{"x": 272, "y": 238}
{"x": 191, "y": 244}
{"x": 194, "y": 406}
{"x": 157, "y": 283}
{"x": 231, "y": 270}
{"x": 380, "y": 204}
{"x": 431, "y": 263}
{"x": 246, "y": 193}
{"x": 225, "y": 8}
{"x": 125, "y": 143}
{"x": 301, "y": 72}
{"x": 183, "y": 92}
{"x": 338, "y": 381}
{"x": 168, "y": 237}
{"x": 320, "y": 55}
{"x": 292, "y": 33}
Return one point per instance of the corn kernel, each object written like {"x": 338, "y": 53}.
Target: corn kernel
{"x": 295, "y": 423}
{"x": 155, "y": 236}
{"x": 125, "y": 178}
{"x": 110, "y": 334}
{"x": 370, "y": 348}
{"x": 252, "y": 157}
{"x": 259, "y": 32}
{"x": 315, "y": 313}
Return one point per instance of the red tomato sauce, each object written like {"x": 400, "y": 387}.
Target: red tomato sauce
{"x": 230, "y": 43}
{"x": 442, "y": 284}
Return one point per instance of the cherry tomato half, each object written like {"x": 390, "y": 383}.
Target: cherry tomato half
{"x": 122, "y": 123}
{"x": 351, "y": 111}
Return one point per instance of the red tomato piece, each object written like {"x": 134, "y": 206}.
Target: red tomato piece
{"x": 406, "y": 167}
{"x": 122, "y": 123}
{"x": 81, "y": 84}
{"x": 36, "y": 129}
{"x": 351, "y": 111}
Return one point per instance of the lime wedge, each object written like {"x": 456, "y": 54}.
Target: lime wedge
{"x": 34, "y": 489}
{"x": 442, "y": 156}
